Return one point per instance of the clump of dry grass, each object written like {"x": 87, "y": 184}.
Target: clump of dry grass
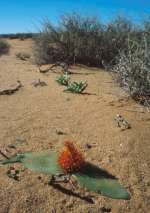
{"x": 4, "y": 47}
{"x": 23, "y": 56}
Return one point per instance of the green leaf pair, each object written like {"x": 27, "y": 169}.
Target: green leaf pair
{"x": 77, "y": 87}
{"x": 63, "y": 79}
{"x": 90, "y": 176}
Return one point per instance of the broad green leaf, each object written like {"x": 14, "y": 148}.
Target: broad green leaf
{"x": 44, "y": 162}
{"x": 96, "y": 180}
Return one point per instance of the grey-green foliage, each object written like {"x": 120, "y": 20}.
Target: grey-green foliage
{"x": 133, "y": 67}
{"x": 4, "y": 47}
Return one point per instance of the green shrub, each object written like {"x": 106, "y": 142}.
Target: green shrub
{"x": 4, "y": 47}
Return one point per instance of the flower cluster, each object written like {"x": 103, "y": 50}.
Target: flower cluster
{"x": 70, "y": 159}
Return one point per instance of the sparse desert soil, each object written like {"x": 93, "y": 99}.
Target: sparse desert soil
{"x": 34, "y": 114}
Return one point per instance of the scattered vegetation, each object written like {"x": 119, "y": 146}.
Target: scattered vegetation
{"x": 85, "y": 40}
{"x": 4, "y": 47}
{"x": 23, "y": 56}
{"x": 119, "y": 46}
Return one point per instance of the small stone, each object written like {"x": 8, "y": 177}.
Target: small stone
{"x": 39, "y": 177}
{"x": 67, "y": 99}
{"x": 88, "y": 146}
{"x": 60, "y": 132}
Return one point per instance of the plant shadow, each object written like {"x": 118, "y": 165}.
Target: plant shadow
{"x": 87, "y": 93}
{"x": 89, "y": 170}
{"x": 81, "y": 93}
{"x": 94, "y": 171}
{"x": 70, "y": 192}
{"x": 81, "y": 73}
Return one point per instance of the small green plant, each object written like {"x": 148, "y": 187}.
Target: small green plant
{"x": 23, "y": 56}
{"x": 76, "y": 87}
{"x": 69, "y": 161}
{"x": 4, "y": 47}
{"x": 63, "y": 79}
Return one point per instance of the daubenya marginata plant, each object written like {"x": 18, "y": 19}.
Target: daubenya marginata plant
{"x": 71, "y": 161}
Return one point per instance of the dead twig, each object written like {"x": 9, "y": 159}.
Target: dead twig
{"x": 3, "y": 154}
{"x": 65, "y": 68}
{"x": 45, "y": 70}
{"x": 11, "y": 90}
{"x": 39, "y": 83}
{"x": 130, "y": 110}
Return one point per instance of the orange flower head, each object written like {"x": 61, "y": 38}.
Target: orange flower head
{"x": 70, "y": 159}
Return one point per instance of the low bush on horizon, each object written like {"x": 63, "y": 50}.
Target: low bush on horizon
{"x": 21, "y": 36}
{"x": 4, "y": 47}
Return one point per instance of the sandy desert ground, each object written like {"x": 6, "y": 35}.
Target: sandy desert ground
{"x": 34, "y": 115}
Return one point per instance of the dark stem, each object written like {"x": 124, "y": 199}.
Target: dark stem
{"x": 5, "y": 156}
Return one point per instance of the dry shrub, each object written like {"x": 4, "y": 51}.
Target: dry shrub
{"x": 133, "y": 69}
{"x": 4, "y": 47}
{"x": 83, "y": 40}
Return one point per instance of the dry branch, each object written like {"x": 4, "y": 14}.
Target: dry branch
{"x": 11, "y": 90}
{"x": 65, "y": 68}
